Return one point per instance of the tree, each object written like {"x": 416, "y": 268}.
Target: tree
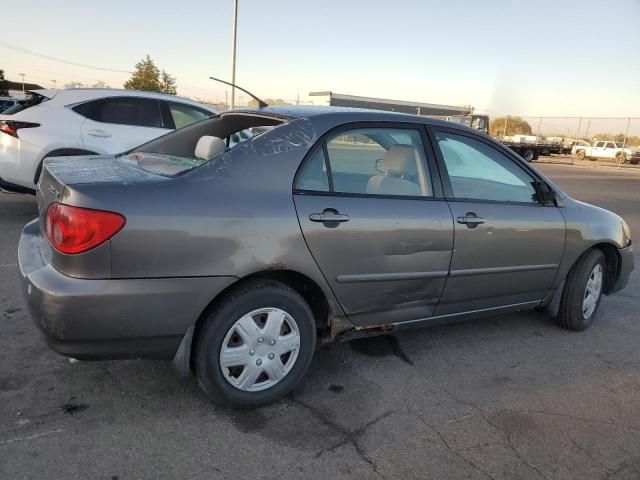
{"x": 268, "y": 101}
{"x": 100, "y": 84}
{"x": 74, "y": 84}
{"x": 145, "y": 77}
{"x": 168, "y": 84}
{"x": 3, "y": 84}
{"x": 515, "y": 126}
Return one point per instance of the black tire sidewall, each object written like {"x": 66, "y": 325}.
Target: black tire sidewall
{"x": 575, "y": 289}
{"x": 218, "y": 323}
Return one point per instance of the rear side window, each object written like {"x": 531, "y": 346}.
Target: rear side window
{"x": 184, "y": 115}
{"x": 369, "y": 161}
{"x": 140, "y": 112}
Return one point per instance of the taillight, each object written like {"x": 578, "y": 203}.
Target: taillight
{"x": 11, "y": 127}
{"x": 75, "y": 230}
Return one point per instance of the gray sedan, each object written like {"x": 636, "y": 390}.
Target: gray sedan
{"x": 234, "y": 260}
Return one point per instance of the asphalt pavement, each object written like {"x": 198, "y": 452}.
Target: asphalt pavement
{"x": 507, "y": 397}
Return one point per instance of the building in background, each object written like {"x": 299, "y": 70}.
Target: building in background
{"x": 15, "y": 89}
{"x": 400, "y": 106}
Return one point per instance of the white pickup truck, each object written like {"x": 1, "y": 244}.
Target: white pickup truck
{"x": 604, "y": 149}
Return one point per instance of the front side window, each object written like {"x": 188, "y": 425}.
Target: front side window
{"x": 478, "y": 171}
{"x": 370, "y": 161}
{"x": 139, "y": 112}
{"x": 184, "y": 115}
{"x": 610, "y": 145}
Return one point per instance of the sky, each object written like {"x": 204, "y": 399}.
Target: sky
{"x": 540, "y": 57}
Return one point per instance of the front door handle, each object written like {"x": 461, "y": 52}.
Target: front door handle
{"x": 328, "y": 216}
{"x": 99, "y": 133}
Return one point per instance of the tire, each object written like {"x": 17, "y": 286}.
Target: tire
{"x": 221, "y": 328}
{"x": 580, "y": 155}
{"x": 621, "y": 158}
{"x": 634, "y": 161}
{"x": 528, "y": 155}
{"x": 572, "y": 314}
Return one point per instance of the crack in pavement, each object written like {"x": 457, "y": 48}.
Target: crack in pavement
{"x": 457, "y": 453}
{"x": 349, "y": 436}
{"x": 506, "y": 433}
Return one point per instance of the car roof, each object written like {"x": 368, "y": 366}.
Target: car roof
{"x": 342, "y": 115}
{"x": 84, "y": 94}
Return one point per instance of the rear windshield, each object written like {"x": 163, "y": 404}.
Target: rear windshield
{"x": 174, "y": 153}
{"x": 32, "y": 100}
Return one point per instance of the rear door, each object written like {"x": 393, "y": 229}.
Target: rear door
{"x": 117, "y": 124}
{"x": 372, "y": 213}
{"x": 508, "y": 245}
{"x": 609, "y": 150}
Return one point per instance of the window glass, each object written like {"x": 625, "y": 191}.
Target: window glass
{"x": 379, "y": 161}
{"x": 610, "y": 145}
{"x": 599, "y": 144}
{"x": 184, "y": 115}
{"x": 479, "y": 171}
{"x": 313, "y": 174}
{"x": 141, "y": 112}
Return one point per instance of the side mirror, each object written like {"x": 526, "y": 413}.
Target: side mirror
{"x": 544, "y": 194}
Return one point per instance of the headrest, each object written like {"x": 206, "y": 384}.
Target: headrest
{"x": 400, "y": 160}
{"x": 209, "y": 146}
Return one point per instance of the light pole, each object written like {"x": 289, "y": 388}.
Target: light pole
{"x": 233, "y": 53}
{"x": 22, "y": 75}
{"x": 54, "y": 83}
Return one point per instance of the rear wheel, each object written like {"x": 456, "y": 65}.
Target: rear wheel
{"x": 583, "y": 292}
{"x": 255, "y": 345}
{"x": 528, "y": 155}
{"x": 580, "y": 155}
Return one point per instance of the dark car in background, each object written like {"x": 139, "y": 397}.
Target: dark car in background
{"x": 234, "y": 261}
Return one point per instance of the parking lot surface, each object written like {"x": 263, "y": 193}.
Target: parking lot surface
{"x": 501, "y": 398}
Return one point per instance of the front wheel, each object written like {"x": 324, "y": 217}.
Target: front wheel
{"x": 621, "y": 158}
{"x": 255, "y": 345}
{"x": 583, "y": 292}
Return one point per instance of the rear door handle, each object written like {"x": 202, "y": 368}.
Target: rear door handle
{"x": 99, "y": 133}
{"x": 470, "y": 221}
{"x": 328, "y": 217}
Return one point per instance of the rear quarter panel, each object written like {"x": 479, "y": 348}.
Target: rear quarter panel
{"x": 233, "y": 216}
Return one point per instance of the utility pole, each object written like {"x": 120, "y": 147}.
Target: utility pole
{"x": 233, "y": 52}
{"x": 624, "y": 141}
{"x": 22, "y": 75}
{"x": 504, "y": 132}
{"x": 54, "y": 83}
{"x": 575, "y": 143}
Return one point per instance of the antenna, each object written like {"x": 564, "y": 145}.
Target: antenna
{"x": 261, "y": 104}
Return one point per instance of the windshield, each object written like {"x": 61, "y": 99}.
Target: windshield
{"x": 466, "y": 121}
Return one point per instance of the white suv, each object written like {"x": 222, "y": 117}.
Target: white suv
{"x": 83, "y": 122}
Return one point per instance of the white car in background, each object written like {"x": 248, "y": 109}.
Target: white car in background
{"x": 88, "y": 121}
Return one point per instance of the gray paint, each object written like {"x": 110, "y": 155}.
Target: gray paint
{"x": 396, "y": 261}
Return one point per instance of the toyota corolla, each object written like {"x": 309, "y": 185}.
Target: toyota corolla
{"x": 235, "y": 260}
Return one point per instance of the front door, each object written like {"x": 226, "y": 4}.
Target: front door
{"x": 507, "y": 246}
{"x": 376, "y": 223}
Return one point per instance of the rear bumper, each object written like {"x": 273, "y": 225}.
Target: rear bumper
{"x": 111, "y": 318}
{"x": 625, "y": 268}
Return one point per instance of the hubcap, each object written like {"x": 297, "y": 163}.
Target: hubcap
{"x": 260, "y": 349}
{"x": 592, "y": 292}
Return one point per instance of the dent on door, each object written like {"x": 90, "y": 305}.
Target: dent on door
{"x": 386, "y": 260}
